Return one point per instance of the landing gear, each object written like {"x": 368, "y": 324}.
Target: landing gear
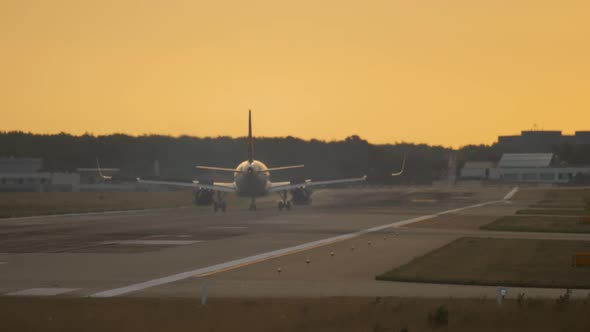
{"x": 219, "y": 203}
{"x": 252, "y": 204}
{"x": 219, "y": 206}
{"x": 284, "y": 203}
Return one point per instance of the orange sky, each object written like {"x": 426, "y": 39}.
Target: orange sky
{"x": 441, "y": 72}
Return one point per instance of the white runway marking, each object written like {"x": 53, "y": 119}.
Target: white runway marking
{"x": 510, "y": 194}
{"x": 227, "y": 227}
{"x": 42, "y": 291}
{"x": 153, "y": 242}
{"x": 269, "y": 255}
{"x": 271, "y": 222}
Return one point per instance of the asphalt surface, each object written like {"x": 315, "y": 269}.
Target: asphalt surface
{"x": 348, "y": 237}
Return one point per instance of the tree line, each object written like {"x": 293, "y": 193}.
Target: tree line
{"x": 176, "y": 157}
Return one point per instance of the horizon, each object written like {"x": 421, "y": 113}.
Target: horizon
{"x": 563, "y": 133}
{"x": 453, "y": 74}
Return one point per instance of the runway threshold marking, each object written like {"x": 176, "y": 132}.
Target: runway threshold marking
{"x": 222, "y": 267}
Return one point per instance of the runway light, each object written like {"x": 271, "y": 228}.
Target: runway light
{"x": 332, "y": 254}
{"x": 279, "y": 270}
{"x": 307, "y": 261}
{"x": 369, "y": 243}
{"x": 352, "y": 248}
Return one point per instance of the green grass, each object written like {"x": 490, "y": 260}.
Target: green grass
{"x": 559, "y": 205}
{"x": 49, "y": 203}
{"x": 495, "y": 262}
{"x": 555, "y": 212}
{"x": 551, "y": 224}
{"x": 30, "y": 204}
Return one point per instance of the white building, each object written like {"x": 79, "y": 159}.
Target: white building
{"x": 26, "y": 175}
{"x": 534, "y": 168}
{"x": 477, "y": 170}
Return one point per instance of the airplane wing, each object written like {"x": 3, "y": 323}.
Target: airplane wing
{"x": 282, "y": 168}
{"x": 217, "y": 186}
{"x": 280, "y": 186}
{"x": 223, "y": 169}
{"x": 233, "y": 170}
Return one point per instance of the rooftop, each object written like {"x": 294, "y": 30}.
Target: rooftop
{"x": 511, "y": 160}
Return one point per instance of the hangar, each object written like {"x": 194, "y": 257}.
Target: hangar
{"x": 524, "y": 167}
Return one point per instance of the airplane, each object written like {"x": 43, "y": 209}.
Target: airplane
{"x": 252, "y": 179}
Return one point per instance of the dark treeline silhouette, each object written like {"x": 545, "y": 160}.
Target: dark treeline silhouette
{"x": 177, "y": 156}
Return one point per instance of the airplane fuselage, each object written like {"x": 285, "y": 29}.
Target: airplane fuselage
{"x": 252, "y": 179}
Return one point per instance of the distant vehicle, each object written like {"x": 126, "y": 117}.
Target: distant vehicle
{"x": 251, "y": 179}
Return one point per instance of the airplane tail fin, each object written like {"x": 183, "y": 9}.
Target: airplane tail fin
{"x": 250, "y": 139}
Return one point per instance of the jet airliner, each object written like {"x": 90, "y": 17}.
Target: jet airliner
{"x": 252, "y": 179}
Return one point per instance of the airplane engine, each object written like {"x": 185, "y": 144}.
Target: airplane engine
{"x": 301, "y": 196}
{"x": 203, "y": 197}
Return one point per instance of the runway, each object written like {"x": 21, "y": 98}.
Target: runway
{"x": 349, "y": 236}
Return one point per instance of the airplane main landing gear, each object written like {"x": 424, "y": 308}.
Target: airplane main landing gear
{"x": 219, "y": 203}
{"x": 284, "y": 203}
{"x": 219, "y": 206}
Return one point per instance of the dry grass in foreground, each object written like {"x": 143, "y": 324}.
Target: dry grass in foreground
{"x": 562, "y": 195}
{"x": 557, "y": 224}
{"x": 507, "y": 262}
{"x": 329, "y": 314}
{"x": 29, "y": 204}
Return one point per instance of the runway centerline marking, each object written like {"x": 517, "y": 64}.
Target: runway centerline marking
{"x": 227, "y": 227}
{"x": 234, "y": 264}
{"x": 153, "y": 242}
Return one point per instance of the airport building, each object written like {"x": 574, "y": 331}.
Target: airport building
{"x": 524, "y": 168}
{"x": 27, "y": 175}
{"x": 541, "y": 140}
{"x": 22, "y": 174}
{"x": 477, "y": 170}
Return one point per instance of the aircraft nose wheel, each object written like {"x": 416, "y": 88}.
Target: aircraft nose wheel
{"x": 252, "y": 204}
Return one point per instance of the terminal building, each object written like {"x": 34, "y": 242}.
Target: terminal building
{"x": 27, "y": 175}
{"x": 541, "y": 140}
{"x": 524, "y": 168}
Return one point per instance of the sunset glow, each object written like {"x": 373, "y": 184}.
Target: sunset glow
{"x": 440, "y": 72}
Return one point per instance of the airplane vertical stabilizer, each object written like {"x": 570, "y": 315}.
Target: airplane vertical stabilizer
{"x": 250, "y": 139}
